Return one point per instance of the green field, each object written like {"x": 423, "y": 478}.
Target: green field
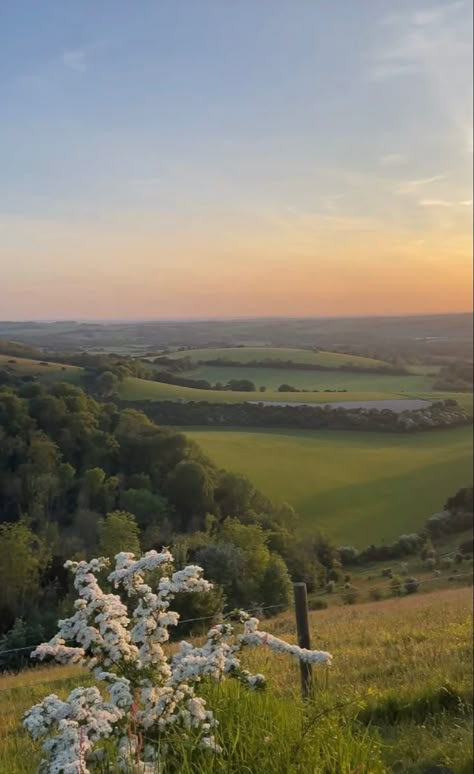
{"x": 247, "y": 354}
{"x": 357, "y": 487}
{"x": 272, "y": 378}
{"x": 143, "y": 389}
{"x": 51, "y": 371}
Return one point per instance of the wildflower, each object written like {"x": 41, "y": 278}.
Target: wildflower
{"x": 145, "y": 694}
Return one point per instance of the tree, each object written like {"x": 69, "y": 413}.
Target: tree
{"x": 252, "y": 542}
{"x": 148, "y": 508}
{"x": 223, "y": 564}
{"x": 240, "y": 385}
{"x": 234, "y": 493}
{"x": 23, "y": 556}
{"x": 119, "y": 532}
{"x": 40, "y": 475}
{"x": 276, "y": 583}
{"x": 107, "y": 384}
{"x": 92, "y": 487}
{"x": 190, "y": 488}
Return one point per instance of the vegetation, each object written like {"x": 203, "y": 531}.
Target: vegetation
{"x": 441, "y": 414}
{"x": 301, "y": 379}
{"x": 277, "y": 355}
{"x": 141, "y": 389}
{"x": 426, "y": 339}
{"x": 357, "y": 487}
{"x": 398, "y": 697}
{"x": 80, "y": 477}
{"x": 455, "y": 377}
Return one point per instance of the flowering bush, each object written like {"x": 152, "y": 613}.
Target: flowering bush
{"x": 147, "y": 694}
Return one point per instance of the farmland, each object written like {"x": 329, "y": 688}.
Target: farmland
{"x": 305, "y": 356}
{"x": 23, "y": 366}
{"x": 397, "y": 697}
{"x": 357, "y": 487}
{"x": 142, "y": 389}
{"x": 272, "y": 378}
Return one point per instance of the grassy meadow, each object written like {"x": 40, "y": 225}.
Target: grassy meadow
{"x": 246, "y": 354}
{"x": 272, "y": 378}
{"x": 357, "y": 487}
{"x": 398, "y": 697}
{"x": 47, "y": 371}
{"x": 133, "y": 388}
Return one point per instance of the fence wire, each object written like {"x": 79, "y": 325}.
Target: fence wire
{"x": 263, "y": 608}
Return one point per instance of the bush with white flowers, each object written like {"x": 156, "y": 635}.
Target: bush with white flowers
{"x": 146, "y": 693}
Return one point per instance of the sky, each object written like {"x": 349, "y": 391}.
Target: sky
{"x": 213, "y": 158}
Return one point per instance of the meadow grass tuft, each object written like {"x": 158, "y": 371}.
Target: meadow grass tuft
{"x": 397, "y": 698}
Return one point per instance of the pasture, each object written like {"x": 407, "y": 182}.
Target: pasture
{"x": 358, "y": 488}
{"x": 398, "y": 697}
{"x": 46, "y": 370}
{"x": 133, "y": 388}
{"x": 272, "y": 378}
{"x": 306, "y": 356}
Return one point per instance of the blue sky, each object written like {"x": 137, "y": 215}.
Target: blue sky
{"x": 205, "y": 146}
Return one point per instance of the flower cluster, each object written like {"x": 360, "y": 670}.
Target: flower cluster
{"x": 146, "y": 693}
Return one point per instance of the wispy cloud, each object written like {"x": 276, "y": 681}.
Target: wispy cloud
{"x": 75, "y": 60}
{"x": 435, "y": 43}
{"x": 444, "y": 203}
{"x": 409, "y": 186}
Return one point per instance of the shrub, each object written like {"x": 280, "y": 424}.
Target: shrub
{"x": 350, "y": 597}
{"x": 430, "y": 562}
{"x": 404, "y": 568}
{"x": 467, "y": 546}
{"x": 396, "y": 585}
{"x": 387, "y": 573}
{"x": 458, "y": 559}
{"x": 334, "y": 575}
{"x": 150, "y": 695}
{"x": 375, "y": 594}
{"x": 348, "y": 555}
{"x": 411, "y": 585}
{"x": 317, "y": 604}
{"x": 331, "y": 587}
{"x": 447, "y": 562}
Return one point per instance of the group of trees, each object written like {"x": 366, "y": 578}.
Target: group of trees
{"x": 382, "y": 368}
{"x": 81, "y": 478}
{"x": 455, "y": 377}
{"x": 446, "y": 413}
{"x": 456, "y": 517}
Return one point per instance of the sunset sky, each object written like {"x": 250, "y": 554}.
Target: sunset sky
{"x": 210, "y": 158}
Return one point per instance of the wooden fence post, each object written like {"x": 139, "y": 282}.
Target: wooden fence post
{"x": 302, "y": 629}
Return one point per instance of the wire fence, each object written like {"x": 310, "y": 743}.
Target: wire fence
{"x": 215, "y": 617}
{"x": 263, "y": 608}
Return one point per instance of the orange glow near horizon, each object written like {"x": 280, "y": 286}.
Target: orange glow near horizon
{"x": 272, "y": 272}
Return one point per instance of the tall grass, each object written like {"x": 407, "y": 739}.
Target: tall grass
{"x": 398, "y": 697}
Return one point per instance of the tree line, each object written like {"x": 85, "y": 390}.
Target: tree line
{"x": 445, "y": 413}
{"x": 81, "y": 477}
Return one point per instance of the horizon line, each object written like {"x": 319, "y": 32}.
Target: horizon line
{"x": 232, "y": 318}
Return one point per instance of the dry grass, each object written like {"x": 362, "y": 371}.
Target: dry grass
{"x": 402, "y": 666}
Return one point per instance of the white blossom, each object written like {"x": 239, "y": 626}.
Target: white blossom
{"x": 144, "y": 694}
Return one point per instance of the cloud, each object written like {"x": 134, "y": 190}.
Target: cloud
{"x": 424, "y": 17}
{"x": 75, "y": 60}
{"x": 444, "y": 203}
{"x": 408, "y": 186}
{"x": 435, "y": 45}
